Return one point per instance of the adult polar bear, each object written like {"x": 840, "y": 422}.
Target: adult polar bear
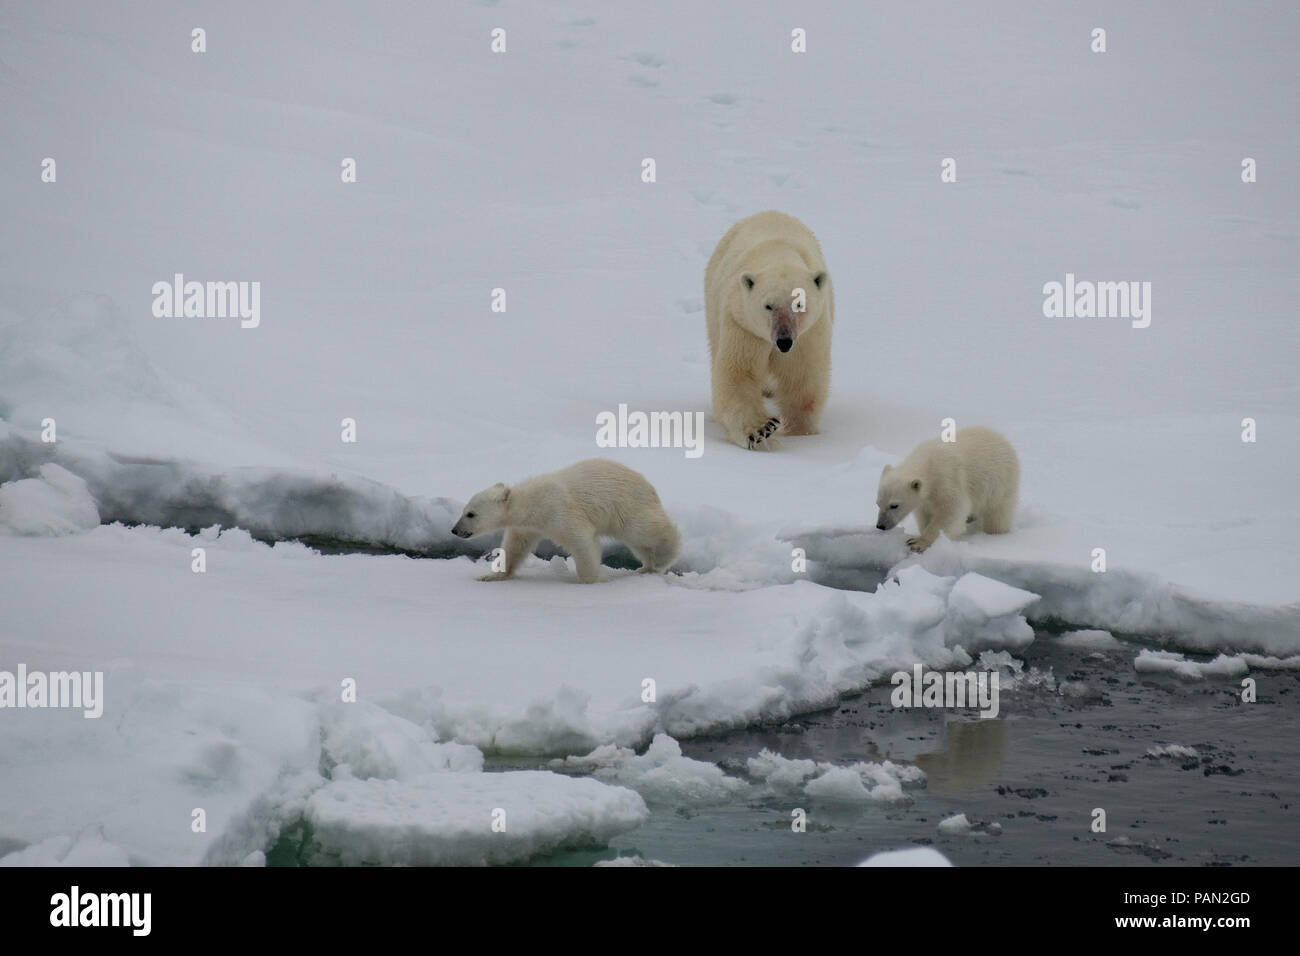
{"x": 760, "y": 339}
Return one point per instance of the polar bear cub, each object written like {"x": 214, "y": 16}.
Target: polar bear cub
{"x": 769, "y": 310}
{"x": 573, "y": 507}
{"x": 952, "y": 487}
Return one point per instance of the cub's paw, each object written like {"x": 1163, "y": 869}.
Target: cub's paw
{"x": 758, "y": 437}
{"x": 916, "y": 544}
{"x": 496, "y": 576}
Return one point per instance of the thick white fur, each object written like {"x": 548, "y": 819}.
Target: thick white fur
{"x": 953, "y": 487}
{"x": 778, "y": 253}
{"x": 573, "y": 507}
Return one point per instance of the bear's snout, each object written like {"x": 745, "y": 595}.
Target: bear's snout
{"x": 459, "y": 533}
{"x": 880, "y": 526}
{"x": 784, "y": 329}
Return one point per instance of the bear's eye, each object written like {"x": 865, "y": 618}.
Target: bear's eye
{"x": 768, "y": 307}
{"x": 891, "y": 508}
{"x": 471, "y": 514}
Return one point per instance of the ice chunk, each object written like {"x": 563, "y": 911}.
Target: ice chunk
{"x": 466, "y": 819}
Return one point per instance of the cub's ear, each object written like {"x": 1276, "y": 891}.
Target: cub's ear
{"x": 501, "y": 490}
{"x": 747, "y": 280}
{"x": 886, "y": 470}
{"x": 819, "y": 278}
{"x": 916, "y": 485}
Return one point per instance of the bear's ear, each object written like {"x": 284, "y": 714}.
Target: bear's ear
{"x": 501, "y": 490}
{"x": 818, "y": 279}
{"x": 916, "y": 485}
{"x": 886, "y": 470}
{"x": 747, "y": 280}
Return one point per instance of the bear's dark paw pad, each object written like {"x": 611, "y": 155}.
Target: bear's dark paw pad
{"x": 764, "y": 432}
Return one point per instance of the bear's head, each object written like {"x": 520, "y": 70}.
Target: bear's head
{"x": 485, "y": 512}
{"x": 897, "y": 497}
{"x": 781, "y": 302}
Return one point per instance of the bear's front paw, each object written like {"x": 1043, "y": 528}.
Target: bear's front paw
{"x": 759, "y": 436}
{"x": 495, "y": 576}
{"x": 917, "y": 544}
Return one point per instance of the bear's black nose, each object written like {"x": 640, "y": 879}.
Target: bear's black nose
{"x": 880, "y": 525}
{"x": 784, "y": 344}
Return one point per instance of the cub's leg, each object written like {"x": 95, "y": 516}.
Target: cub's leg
{"x": 947, "y": 518}
{"x": 518, "y": 545}
{"x": 998, "y": 519}
{"x": 586, "y": 556}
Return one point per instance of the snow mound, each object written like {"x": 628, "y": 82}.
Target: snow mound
{"x": 660, "y": 775}
{"x": 447, "y": 819}
{"x": 54, "y": 503}
{"x": 161, "y": 751}
{"x": 362, "y": 740}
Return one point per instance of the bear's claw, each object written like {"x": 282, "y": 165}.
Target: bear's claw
{"x": 916, "y": 544}
{"x": 763, "y": 432}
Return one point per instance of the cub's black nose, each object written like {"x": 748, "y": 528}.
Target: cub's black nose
{"x": 880, "y": 525}
{"x": 785, "y": 344}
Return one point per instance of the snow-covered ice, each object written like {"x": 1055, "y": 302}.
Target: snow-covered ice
{"x": 223, "y": 689}
{"x": 445, "y": 818}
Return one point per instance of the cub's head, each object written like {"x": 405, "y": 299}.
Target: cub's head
{"x": 485, "y": 512}
{"x": 897, "y": 497}
{"x": 782, "y": 302}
